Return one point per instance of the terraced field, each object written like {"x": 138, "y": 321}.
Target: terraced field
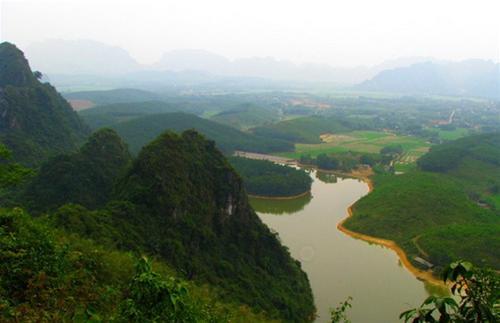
{"x": 362, "y": 141}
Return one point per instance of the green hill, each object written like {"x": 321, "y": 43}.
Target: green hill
{"x": 35, "y": 121}
{"x": 181, "y": 201}
{"x": 246, "y": 116}
{"x": 473, "y": 161}
{"x": 85, "y": 177}
{"x": 441, "y": 211}
{"x": 303, "y": 130}
{"x": 107, "y": 115}
{"x": 139, "y": 131}
{"x": 429, "y": 216}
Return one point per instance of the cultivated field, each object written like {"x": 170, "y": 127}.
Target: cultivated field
{"x": 362, "y": 141}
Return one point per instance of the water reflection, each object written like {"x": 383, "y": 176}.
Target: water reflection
{"x": 338, "y": 265}
{"x": 326, "y": 177}
{"x": 280, "y": 207}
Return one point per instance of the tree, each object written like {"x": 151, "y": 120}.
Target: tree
{"x": 153, "y": 299}
{"x": 478, "y": 292}
{"x": 338, "y": 314}
{"x": 11, "y": 173}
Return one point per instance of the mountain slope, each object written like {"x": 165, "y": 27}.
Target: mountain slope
{"x": 35, "y": 121}
{"x": 467, "y": 78}
{"x": 85, "y": 177}
{"x": 182, "y": 201}
{"x": 138, "y": 132}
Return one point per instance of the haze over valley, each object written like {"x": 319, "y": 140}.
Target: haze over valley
{"x": 179, "y": 161}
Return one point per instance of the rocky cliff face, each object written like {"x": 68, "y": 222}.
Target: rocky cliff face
{"x": 194, "y": 212}
{"x": 35, "y": 121}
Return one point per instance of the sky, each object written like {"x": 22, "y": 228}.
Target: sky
{"x": 339, "y": 33}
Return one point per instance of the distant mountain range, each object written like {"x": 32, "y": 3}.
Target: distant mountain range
{"x": 88, "y": 57}
{"x": 466, "y": 78}
{"x": 84, "y": 64}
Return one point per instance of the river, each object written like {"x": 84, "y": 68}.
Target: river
{"x": 338, "y": 265}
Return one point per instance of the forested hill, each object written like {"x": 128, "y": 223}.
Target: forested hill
{"x": 140, "y": 131}
{"x": 205, "y": 226}
{"x": 452, "y": 155}
{"x": 447, "y": 209}
{"x": 35, "y": 121}
{"x": 85, "y": 177}
{"x": 179, "y": 201}
{"x": 473, "y": 162}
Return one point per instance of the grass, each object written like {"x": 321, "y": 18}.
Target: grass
{"x": 363, "y": 142}
{"x": 495, "y": 201}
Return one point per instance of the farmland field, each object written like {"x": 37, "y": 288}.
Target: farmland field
{"x": 364, "y": 142}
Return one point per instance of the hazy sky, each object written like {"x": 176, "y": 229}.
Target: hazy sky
{"x": 341, "y": 33}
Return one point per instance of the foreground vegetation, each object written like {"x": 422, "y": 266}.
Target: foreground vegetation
{"x": 203, "y": 226}
{"x": 475, "y": 297}
{"x": 48, "y": 275}
{"x": 265, "y": 178}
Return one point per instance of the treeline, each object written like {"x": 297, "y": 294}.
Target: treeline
{"x": 265, "y": 178}
{"x": 349, "y": 161}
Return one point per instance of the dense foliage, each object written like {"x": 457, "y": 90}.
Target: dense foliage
{"x": 343, "y": 161}
{"x": 49, "y": 276}
{"x": 474, "y": 162}
{"x": 429, "y": 216}
{"x": 265, "y": 178}
{"x": 478, "y": 292}
{"x": 138, "y": 132}
{"x": 205, "y": 227}
{"x": 35, "y": 121}
{"x": 85, "y": 177}
{"x": 182, "y": 201}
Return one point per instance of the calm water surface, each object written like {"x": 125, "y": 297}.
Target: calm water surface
{"x": 339, "y": 266}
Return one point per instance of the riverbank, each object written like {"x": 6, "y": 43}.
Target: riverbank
{"x": 365, "y": 174}
{"x": 292, "y": 197}
{"x": 427, "y": 276}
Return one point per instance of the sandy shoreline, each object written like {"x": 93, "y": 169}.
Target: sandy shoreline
{"x": 292, "y": 197}
{"x": 427, "y": 276}
{"x": 364, "y": 175}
